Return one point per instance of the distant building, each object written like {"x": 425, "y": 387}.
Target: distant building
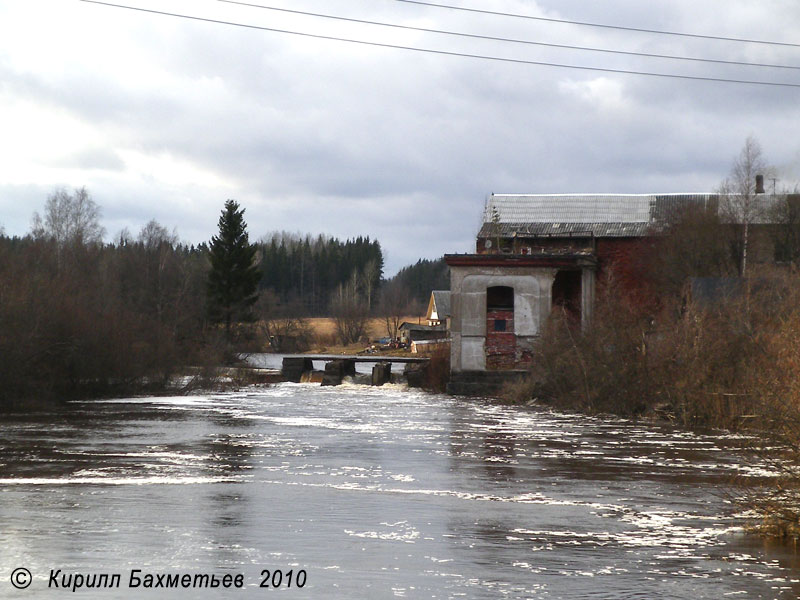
{"x": 537, "y": 252}
{"x": 414, "y": 332}
{"x": 439, "y": 309}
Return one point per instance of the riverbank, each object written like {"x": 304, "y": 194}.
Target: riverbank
{"x": 732, "y": 365}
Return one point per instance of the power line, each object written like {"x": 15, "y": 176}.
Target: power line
{"x": 602, "y": 25}
{"x": 446, "y": 52}
{"x": 511, "y": 40}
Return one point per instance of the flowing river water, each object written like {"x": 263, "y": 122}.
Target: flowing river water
{"x": 375, "y": 493}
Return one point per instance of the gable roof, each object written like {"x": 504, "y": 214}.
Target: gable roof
{"x": 441, "y": 300}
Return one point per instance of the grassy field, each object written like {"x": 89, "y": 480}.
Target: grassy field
{"x": 324, "y": 330}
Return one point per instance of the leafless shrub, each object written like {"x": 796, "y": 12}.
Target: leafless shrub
{"x": 438, "y": 370}
{"x": 520, "y": 391}
{"x": 603, "y": 370}
{"x": 282, "y": 329}
{"x": 730, "y": 363}
{"x": 394, "y": 304}
{"x": 98, "y": 319}
{"x": 350, "y": 313}
{"x": 323, "y": 339}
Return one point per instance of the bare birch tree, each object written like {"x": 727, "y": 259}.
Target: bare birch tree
{"x": 69, "y": 218}
{"x": 739, "y": 203}
{"x": 370, "y": 278}
{"x": 350, "y": 312}
{"x": 393, "y": 306}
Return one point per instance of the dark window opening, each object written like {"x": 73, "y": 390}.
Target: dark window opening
{"x": 499, "y": 324}
{"x": 567, "y": 293}
{"x": 500, "y": 297}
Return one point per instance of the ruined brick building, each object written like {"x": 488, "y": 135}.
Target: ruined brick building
{"x": 534, "y": 252}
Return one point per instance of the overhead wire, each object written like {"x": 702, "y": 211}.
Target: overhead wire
{"x": 511, "y": 40}
{"x": 445, "y": 52}
{"x": 601, "y": 25}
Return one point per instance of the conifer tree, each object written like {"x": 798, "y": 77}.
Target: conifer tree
{"x": 234, "y": 277}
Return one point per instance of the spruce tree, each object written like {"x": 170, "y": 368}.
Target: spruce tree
{"x": 234, "y": 276}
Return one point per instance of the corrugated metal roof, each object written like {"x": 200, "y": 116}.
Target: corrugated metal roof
{"x": 568, "y": 209}
{"x": 600, "y": 215}
{"x": 506, "y": 230}
{"x": 665, "y": 207}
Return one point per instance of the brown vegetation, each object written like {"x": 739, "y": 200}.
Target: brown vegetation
{"x": 83, "y": 320}
{"x": 700, "y": 365}
{"x": 438, "y": 370}
{"x": 324, "y": 337}
{"x": 728, "y": 357}
{"x": 292, "y": 334}
{"x": 80, "y": 318}
{"x": 725, "y": 362}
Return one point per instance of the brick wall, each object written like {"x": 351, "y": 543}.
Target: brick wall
{"x": 501, "y": 346}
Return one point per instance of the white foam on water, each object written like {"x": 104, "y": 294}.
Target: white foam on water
{"x": 162, "y": 401}
{"x": 320, "y": 422}
{"x": 397, "y": 532}
{"x": 110, "y": 480}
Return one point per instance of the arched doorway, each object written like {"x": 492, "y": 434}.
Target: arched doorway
{"x": 501, "y": 344}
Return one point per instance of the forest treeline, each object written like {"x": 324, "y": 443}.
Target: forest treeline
{"x": 307, "y": 276}
{"x": 83, "y": 317}
{"x": 305, "y": 273}
{"x": 419, "y": 279}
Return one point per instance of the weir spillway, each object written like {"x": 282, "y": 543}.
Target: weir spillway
{"x": 338, "y": 366}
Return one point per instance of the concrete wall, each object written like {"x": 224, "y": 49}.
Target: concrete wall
{"x": 532, "y": 302}
{"x": 532, "y": 305}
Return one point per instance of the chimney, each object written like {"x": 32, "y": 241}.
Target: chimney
{"x": 759, "y": 184}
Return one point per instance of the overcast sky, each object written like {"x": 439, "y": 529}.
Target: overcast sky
{"x": 166, "y": 118}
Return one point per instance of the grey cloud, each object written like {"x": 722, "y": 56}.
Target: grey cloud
{"x": 403, "y": 146}
{"x": 96, "y": 158}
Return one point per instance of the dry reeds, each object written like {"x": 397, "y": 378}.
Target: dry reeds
{"x": 732, "y": 363}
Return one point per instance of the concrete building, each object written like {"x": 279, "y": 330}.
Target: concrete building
{"x": 500, "y": 303}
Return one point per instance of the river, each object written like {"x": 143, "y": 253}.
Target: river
{"x": 375, "y": 493}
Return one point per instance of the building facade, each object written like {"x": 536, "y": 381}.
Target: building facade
{"x": 539, "y": 253}
{"x": 499, "y": 303}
